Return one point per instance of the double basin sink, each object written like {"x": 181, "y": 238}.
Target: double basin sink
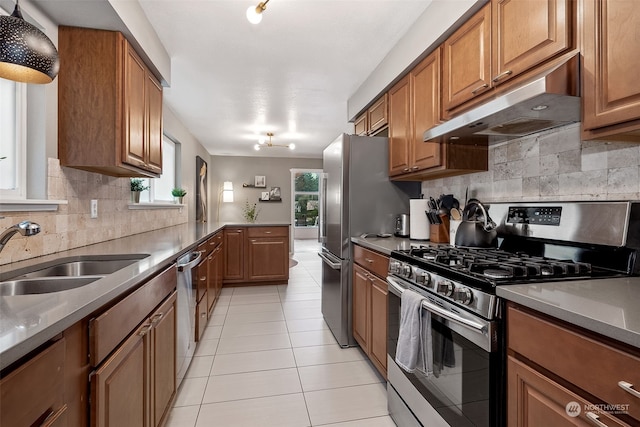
{"x": 64, "y": 274}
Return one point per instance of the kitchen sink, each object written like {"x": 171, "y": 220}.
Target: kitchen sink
{"x": 44, "y": 285}
{"x": 64, "y": 274}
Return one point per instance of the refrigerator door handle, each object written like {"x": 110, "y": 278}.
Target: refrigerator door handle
{"x": 322, "y": 221}
{"x": 331, "y": 263}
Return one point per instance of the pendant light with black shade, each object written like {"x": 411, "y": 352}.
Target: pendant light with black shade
{"x": 26, "y": 54}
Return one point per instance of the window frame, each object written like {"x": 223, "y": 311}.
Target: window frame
{"x": 148, "y": 196}
{"x": 294, "y": 193}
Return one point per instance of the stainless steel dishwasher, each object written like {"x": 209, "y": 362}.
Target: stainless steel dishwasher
{"x": 186, "y": 339}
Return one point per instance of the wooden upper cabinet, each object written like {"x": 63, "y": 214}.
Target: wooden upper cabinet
{"x": 361, "y": 125}
{"x": 399, "y": 127}
{"x": 374, "y": 119}
{"x": 525, "y": 33}
{"x": 610, "y": 89}
{"x": 109, "y": 106}
{"x": 504, "y": 40}
{"x": 467, "y": 60}
{"x": 426, "y": 107}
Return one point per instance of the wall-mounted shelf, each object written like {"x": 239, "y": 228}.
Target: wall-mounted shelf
{"x": 269, "y": 201}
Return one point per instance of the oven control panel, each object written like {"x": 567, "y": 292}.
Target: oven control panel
{"x": 547, "y": 215}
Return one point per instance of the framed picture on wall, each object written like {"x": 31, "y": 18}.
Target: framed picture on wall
{"x": 274, "y": 194}
{"x": 265, "y": 195}
{"x": 201, "y": 190}
{"x": 260, "y": 181}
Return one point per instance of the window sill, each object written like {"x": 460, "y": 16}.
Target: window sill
{"x": 167, "y": 205}
{"x": 30, "y": 205}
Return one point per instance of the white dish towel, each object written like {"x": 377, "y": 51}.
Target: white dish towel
{"x": 414, "y": 350}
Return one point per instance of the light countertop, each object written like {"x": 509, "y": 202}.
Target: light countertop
{"x": 27, "y": 321}
{"x": 610, "y": 307}
{"x": 386, "y": 244}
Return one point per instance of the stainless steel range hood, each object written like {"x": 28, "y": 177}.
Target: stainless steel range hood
{"x": 546, "y": 101}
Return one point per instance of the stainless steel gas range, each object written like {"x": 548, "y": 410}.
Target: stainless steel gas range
{"x": 538, "y": 243}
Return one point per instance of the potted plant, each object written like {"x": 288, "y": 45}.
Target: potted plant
{"x": 178, "y": 193}
{"x": 137, "y": 186}
{"x": 250, "y": 212}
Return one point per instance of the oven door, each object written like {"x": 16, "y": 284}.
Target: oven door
{"x": 467, "y": 383}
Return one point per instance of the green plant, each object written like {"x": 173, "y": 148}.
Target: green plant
{"x": 250, "y": 212}
{"x": 178, "y": 192}
{"x": 137, "y": 184}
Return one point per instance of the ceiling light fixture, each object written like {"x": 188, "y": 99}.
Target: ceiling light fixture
{"x": 259, "y": 145}
{"x": 26, "y": 53}
{"x": 254, "y": 14}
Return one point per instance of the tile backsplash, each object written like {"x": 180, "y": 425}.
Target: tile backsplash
{"x": 553, "y": 165}
{"x": 71, "y": 226}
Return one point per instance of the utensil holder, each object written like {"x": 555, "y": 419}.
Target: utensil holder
{"x": 439, "y": 233}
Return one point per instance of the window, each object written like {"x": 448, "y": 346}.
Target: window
{"x": 160, "y": 188}
{"x": 13, "y": 107}
{"x": 306, "y": 196}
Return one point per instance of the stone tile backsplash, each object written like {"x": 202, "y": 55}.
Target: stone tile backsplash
{"x": 71, "y": 226}
{"x": 553, "y": 165}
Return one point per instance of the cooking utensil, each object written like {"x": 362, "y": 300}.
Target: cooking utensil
{"x": 476, "y": 233}
{"x": 455, "y": 214}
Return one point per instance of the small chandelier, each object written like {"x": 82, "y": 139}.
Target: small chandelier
{"x": 254, "y": 14}
{"x": 262, "y": 143}
{"x": 26, "y": 54}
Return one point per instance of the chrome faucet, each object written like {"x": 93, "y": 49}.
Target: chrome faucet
{"x": 26, "y": 228}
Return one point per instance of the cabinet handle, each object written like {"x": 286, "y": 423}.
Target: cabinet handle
{"x": 267, "y": 232}
{"x": 628, "y": 387}
{"x": 501, "y": 75}
{"x": 479, "y": 88}
{"x": 415, "y": 167}
{"x": 156, "y": 318}
{"x": 595, "y": 419}
{"x": 53, "y": 416}
{"x": 145, "y": 330}
{"x": 203, "y": 279}
{"x": 370, "y": 261}
{"x": 405, "y": 170}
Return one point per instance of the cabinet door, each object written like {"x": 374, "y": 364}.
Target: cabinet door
{"x": 234, "y": 254}
{"x": 533, "y": 400}
{"x": 199, "y": 278}
{"x": 133, "y": 150}
{"x": 163, "y": 349}
{"x": 467, "y": 60}
{"x": 399, "y": 127}
{"x": 360, "y": 314}
{"x": 425, "y": 105}
{"x": 31, "y": 395}
{"x": 360, "y": 125}
{"x": 120, "y": 393}
{"x": 378, "y": 343}
{"x": 201, "y": 318}
{"x": 378, "y": 114}
{"x": 520, "y": 44}
{"x": 268, "y": 258}
{"x": 611, "y": 93}
{"x": 154, "y": 124}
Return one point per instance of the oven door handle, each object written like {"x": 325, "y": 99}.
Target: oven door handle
{"x": 433, "y": 308}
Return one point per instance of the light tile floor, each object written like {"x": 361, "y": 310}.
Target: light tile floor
{"x": 269, "y": 360}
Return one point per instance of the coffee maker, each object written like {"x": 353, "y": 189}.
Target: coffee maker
{"x": 402, "y": 225}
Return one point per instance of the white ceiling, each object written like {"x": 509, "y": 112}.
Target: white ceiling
{"x": 292, "y": 74}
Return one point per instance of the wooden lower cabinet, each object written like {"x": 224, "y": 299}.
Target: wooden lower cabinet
{"x": 256, "y": 255}
{"x": 31, "y": 394}
{"x": 137, "y": 383}
{"x": 370, "y": 308}
{"x": 234, "y": 264}
{"x": 552, "y": 364}
{"x": 534, "y": 400}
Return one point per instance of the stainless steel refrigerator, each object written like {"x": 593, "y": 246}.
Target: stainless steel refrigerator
{"x": 356, "y": 197}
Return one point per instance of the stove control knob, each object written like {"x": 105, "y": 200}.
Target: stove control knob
{"x": 394, "y": 267}
{"x": 422, "y": 277}
{"x": 405, "y": 270}
{"x": 445, "y": 288}
{"x": 463, "y": 295}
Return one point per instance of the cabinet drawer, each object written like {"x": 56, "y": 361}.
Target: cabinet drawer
{"x": 595, "y": 367}
{"x": 215, "y": 241}
{"x": 31, "y": 393}
{"x": 200, "y": 278}
{"x": 111, "y": 327}
{"x": 373, "y": 261}
{"x": 267, "y": 231}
